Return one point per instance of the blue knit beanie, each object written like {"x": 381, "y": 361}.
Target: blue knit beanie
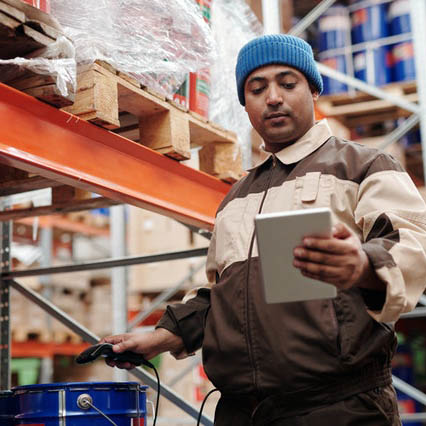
{"x": 276, "y": 49}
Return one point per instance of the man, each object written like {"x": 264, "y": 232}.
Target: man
{"x": 318, "y": 362}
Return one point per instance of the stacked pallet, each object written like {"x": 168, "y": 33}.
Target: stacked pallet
{"x": 117, "y": 102}
{"x": 27, "y": 32}
{"x": 364, "y": 109}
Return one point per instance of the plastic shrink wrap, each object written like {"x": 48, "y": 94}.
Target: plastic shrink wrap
{"x": 233, "y": 25}
{"x": 32, "y": 43}
{"x": 57, "y": 61}
{"x": 155, "y": 41}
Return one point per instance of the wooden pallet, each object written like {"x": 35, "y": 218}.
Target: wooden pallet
{"x": 26, "y": 31}
{"x": 117, "y": 102}
{"x": 21, "y": 334}
{"x": 65, "y": 336}
{"x": 363, "y": 109}
{"x": 65, "y": 198}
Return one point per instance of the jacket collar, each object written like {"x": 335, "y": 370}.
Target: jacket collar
{"x": 308, "y": 143}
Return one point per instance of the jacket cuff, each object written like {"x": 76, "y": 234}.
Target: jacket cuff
{"x": 186, "y": 323}
{"x": 378, "y": 256}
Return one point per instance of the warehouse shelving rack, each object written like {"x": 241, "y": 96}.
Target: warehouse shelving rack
{"x": 94, "y": 159}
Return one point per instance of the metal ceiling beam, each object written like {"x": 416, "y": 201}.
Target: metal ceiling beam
{"x": 400, "y": 131}
{"x": 56, "y": 145}
{"x": 311, "y": 17}
{"x": 103, "y": 264}
{"x": 367, "y": 88}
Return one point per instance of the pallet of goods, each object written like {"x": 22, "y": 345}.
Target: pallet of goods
{"x": 117, "y": 102}
{"x": 363, "y": 109}
{"x": 27, "y": 32}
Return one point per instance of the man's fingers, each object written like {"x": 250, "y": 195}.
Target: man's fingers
{"x": 341, "y": 231}
{"x": 121, "y": 342}
{"x": 321, "y": 272}
{"x": 317, "y": 256}
{"x": 122, "y": 365}
{"x": 329, "y": 245}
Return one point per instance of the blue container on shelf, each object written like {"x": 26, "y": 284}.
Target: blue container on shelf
{"x": 403, "y": 68}
{"x": 334, "y": 28}
{"x": 399, "y": 17}
{"x": 332, "y": 85}
{"x": 7, "y": 408}
{"x": 369, "y": 21}
{"x": 72, "y": 403}
{"x": 373, "y": 66}
{"x": 403, "y": 65}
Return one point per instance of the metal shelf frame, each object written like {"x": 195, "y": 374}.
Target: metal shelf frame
{"x": 99, "y": 161}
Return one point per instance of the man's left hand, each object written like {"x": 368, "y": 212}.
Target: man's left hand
{"x": 338, "y": 260}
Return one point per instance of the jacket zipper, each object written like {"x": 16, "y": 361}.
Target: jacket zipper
{"x": 248, "y": 332}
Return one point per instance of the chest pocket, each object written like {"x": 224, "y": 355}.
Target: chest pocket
{"x": 313, "y": 190}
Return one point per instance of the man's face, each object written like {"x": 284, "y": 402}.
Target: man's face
{"x": 280, "y": 105}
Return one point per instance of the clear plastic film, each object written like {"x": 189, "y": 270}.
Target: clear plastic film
{"x": 155, "y": 41}
{"x": 233, "y": 25}
{"x": 57, "y": 61}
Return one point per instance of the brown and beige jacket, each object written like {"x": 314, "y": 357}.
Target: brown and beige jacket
{"x": 336, "y": 346}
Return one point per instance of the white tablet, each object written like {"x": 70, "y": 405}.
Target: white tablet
{"x": 277, "y": 235}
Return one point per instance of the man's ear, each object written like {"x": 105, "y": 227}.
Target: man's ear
{"x": 315, "y": 96}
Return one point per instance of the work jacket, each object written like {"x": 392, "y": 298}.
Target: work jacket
{"x": 329, "y": 348}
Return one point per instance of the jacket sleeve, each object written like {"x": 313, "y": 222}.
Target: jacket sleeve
{"x": 392, "y": 216}
{"x": 187, "y": 321}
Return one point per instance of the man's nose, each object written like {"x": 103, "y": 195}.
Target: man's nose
{"x": 274, "y": 95}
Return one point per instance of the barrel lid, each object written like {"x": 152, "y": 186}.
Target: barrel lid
{"x": 77, "y": 385}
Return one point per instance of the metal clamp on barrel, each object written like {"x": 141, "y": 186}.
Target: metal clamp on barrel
{"x": 85, "y": 401}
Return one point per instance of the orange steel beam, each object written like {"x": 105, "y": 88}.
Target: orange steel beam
{"x": 36, "y": 349}
{"x": 54, "y": 144}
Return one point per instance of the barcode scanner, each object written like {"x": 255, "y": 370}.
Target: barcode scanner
{"x": 105, "y": 350}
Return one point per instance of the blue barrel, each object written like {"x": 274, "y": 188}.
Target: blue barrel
{"x": 334, "y": 28}
{"x": 72, "y": 404}
{"x": 369, "y": 22}
{"x": 399, "y": 17}
{"x": 332, "y": 85}
{"x": 403, "y": 68}
{"x": 7, "y": 408}
{"x": 374, "y": 66}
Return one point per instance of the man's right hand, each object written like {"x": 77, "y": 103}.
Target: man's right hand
{"x": 147, "y": 344}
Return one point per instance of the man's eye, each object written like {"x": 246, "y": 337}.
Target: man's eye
{"x": 289, "y": 85}
{"x": 257, "y": 91}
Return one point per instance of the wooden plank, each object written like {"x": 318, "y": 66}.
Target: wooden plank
{"x": 202, "y": 133}
{"x": 19, "y": 40}
{"x": 106, "y": 66}
{"x": 93, "y": 203}
{"x": 38, "y": 38}
{"x": 29, "y": 82}
{"x": 45, "y": 29}
{"x": 51, "y": 94}
{"x": 32, "y": 13}
{"x": 222, "y": 160}
{"x": 15, "y": 13}
{"x": 8, "y": 25}
{"x": 129, "y": 79}
{"x": 167, "y": 132}
{"x": 365, "y": 112}
{"x": 30, "y": 183}
{"x": 96, "y": 99}
{"x": 68, "y": 194}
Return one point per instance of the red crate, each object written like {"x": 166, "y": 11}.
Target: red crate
{"x": 43, "y": 5}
